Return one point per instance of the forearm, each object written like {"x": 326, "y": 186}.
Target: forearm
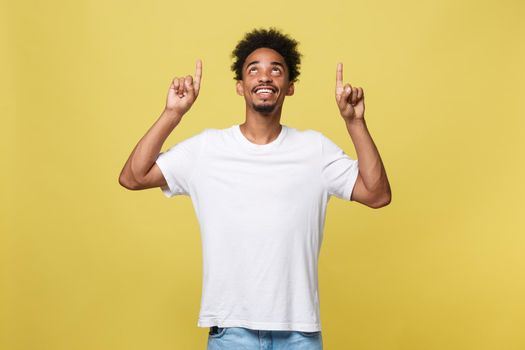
{"x": 148, "y": 148}
{"x": 371, "y": 167}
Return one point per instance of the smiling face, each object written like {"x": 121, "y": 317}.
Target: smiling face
{"x": 265, "y": 81}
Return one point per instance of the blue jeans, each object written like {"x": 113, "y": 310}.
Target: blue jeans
{"x": 240, "y": 338}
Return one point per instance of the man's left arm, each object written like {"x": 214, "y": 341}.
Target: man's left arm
{"x": 371, "y": 187}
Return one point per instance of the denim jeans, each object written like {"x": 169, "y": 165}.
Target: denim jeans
{"x": 239, "y": 338}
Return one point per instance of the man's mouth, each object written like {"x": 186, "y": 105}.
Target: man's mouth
{"x": 264, "y": 91}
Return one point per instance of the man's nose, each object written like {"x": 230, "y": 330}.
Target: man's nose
{"x": 265, "y": 77}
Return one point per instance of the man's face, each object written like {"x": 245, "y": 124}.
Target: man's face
{"x": 265, "y": 81}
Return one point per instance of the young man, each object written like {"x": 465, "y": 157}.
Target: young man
{"x": 260, "y": 191}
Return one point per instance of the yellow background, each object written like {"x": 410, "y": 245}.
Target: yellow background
{"x": 87, "y": 264}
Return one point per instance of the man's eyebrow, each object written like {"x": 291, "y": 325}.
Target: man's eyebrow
{"x": 274, "y": 63}
{"x": 252, "y": 62}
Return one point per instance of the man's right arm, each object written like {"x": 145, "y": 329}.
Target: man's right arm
{"x": 141, "y": 171}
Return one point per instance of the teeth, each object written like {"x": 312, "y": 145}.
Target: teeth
{"x": 264, "y": 91}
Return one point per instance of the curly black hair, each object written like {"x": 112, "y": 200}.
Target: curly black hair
{"x": 270, "y": 38}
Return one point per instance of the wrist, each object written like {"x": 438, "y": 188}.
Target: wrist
{"x": 172, "y": 114}
{"x": 355, "y": 122}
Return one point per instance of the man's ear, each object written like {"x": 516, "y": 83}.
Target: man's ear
{"x": 291, "y": 89}
{"x": 239, "y": 88}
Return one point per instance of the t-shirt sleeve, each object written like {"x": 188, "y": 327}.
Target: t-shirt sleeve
{"x": 178, "y": 163}
{"x": 339, "y": 171}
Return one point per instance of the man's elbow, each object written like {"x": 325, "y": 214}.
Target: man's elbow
{"x": 382, "y": 201}
{"x": 128, "y": 183}
{"x": 122, "y": 182}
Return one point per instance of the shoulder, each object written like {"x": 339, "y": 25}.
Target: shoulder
{"x": 319, "y": 139}
{"x": 215, "y": 135}
{"x": 306, "y": 135}
{"x": 214, "y": 132}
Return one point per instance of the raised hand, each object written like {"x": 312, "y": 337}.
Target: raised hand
{"x": 183, "y": 91}
{"x": 350, "y": 100}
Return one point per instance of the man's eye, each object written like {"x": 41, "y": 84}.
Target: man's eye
{"x": 276, "y": 69}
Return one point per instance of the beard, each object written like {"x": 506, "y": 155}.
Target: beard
{"x": 264, "y": 108}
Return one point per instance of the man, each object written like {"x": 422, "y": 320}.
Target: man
{"x": 260, "y": 191}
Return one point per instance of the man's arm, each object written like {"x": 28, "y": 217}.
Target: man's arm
{"x": 140, "y": 171}
{"x": 372, "y": 187}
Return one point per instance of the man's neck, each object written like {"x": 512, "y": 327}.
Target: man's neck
{"x": 261, "y": 129}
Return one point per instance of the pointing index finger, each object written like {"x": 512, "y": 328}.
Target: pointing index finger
{"x": 198, "y": 75}
{"x": 339, "y": 79}
{"x": 339, "y": 75}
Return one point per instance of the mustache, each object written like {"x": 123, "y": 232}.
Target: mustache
{"x": 274, "y": 88}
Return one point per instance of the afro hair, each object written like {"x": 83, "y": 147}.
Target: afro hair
{"x": 270, "y": 38}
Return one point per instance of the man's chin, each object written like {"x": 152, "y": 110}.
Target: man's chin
{"x": 264, "y": 109}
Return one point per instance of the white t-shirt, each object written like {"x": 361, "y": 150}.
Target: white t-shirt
{"x": 261, "y": 211}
